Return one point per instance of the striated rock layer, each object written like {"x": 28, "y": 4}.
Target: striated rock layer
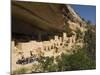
{"x": 39, "y": 20}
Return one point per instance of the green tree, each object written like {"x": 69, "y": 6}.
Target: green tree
{"x": 90, "y": 41}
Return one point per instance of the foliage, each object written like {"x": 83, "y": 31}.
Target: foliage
{"x": 89, "y": 22}
{"x": 46, "y": 63}
{"x": 90, "y": 41}
{"x": 77, "y": 61}
{"x": 83, "y": 19}
{"x": 79, "y": 34}
{"x": 20, "y": 71}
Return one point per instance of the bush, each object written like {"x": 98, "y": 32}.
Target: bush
{"x": 20, "y": 71}
{"x": 77, "y": 61}
{"x": 90, "y": 41}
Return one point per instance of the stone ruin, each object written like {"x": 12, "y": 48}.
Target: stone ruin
{"x": 45, "y": 47}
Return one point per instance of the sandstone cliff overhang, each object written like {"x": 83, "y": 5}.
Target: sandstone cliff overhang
{"x": 32, "y": 18}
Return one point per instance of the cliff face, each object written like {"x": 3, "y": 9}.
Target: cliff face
{"x": 44, "y": 19}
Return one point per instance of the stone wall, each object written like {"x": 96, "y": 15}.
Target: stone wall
{"x": 45, "y": 46}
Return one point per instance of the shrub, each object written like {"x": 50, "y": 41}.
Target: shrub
{"x": 20, "y": 71}
{"x": 76, "y": 61}
{"x": 90, "y": 42}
